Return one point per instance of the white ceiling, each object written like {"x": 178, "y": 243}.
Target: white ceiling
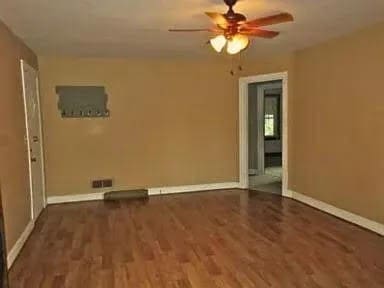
{"x": 124, "y": 28}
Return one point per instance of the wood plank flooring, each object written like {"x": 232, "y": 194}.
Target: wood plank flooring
{"x": 218, "y": 239}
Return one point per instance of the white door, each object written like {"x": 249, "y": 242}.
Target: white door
{"x": 33, "y": 138}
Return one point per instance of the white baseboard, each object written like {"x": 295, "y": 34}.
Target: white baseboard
{"x": 340, "y": 213}
{"x": 15, "y": 251}
{"x": 75, "y": 198}
{"x": 192, "y": 188}
{"x": 151, "y": 191}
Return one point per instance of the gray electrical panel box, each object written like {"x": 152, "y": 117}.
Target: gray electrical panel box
{"x": 82, "y": 101}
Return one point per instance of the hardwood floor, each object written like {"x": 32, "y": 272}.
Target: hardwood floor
{"x": 213, "y": 239}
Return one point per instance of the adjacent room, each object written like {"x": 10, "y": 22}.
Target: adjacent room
{"x": 191, "y": 144}
{"x": 265, "y": 157}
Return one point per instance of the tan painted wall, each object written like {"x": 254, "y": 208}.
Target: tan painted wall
{"x": 338, "y": 123}
{"x": 173, "y": 122}
{"x": 13, "y": 151}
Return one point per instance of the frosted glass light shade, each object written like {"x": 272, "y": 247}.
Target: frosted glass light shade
{"x": 237, "y": 43}
{"x": 218, "y": 43}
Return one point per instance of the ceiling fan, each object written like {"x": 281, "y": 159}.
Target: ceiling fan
{"x": 232, "y": 29}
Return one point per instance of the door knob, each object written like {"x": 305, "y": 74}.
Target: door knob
{"x": 33, "y": 159}
{"x": 35, "y": 139}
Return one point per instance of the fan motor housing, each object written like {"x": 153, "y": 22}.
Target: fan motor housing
{"x": 230, "y": 2}
{"x": 234, "y": 17}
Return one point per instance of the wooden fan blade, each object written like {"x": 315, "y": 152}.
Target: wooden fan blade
{"x": 270, "y": 20}
{"x": 259, "y": 33}
{"x": 190, "y": 30}
{"x": 218, "y": 19}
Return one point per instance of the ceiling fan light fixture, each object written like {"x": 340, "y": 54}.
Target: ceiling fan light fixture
{"x": 237, "y": 44}
{"x": 233, "y": 29}
{"x": 218, "y": 43}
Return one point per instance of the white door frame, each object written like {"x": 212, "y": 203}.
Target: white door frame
{"x": 22, "y": 65}
{"x": 243, "y": 126}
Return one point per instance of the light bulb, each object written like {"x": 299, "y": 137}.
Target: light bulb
{"x": 218, "y": 43}
{"x": 237, "y": 43}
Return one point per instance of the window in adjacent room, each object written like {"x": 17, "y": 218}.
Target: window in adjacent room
{"x": 272, "y": 117}
{"x": 269, "y": 125}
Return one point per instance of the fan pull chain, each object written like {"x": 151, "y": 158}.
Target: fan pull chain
{"x": 240, "y": 67}
{"x": 232, "y": 65}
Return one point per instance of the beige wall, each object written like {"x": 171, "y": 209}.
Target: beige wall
{"x": 173, "y": 122}
{"x": 338, "y": 123}
{"x": 13, "y": 151}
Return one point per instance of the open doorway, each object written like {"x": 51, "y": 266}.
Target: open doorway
{"x": 264, "y": 141}
{"x": 263, "y": 137}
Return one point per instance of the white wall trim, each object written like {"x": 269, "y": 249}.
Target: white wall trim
{"x": 16, "y": 249}
{"x": 192, "y": 188}
{"x": 340, "y": 213}
{"x": 151, "y": 191}
{"x": 243, "y": 126}
{"x": 76, "y": 198}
